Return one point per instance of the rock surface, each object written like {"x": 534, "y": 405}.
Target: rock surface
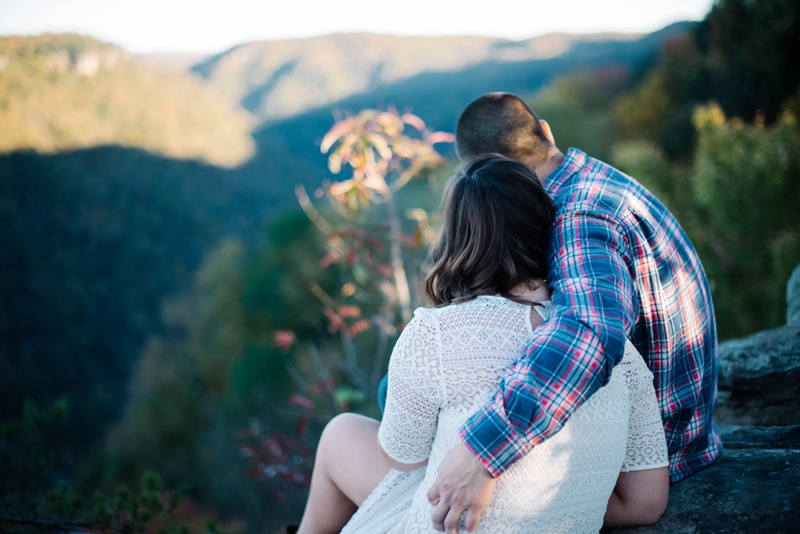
{"x": 759, "y": 376}
{"x": 793, "y": 298}
{"x": 744, "y": 491}
{"x": 755, "y": 485}
{"x": 759, "y": 379}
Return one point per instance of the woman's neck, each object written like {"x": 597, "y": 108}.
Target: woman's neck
{"x": 534, "y": 290}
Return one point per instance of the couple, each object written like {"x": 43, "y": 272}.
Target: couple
{"x": 568, "y": 372}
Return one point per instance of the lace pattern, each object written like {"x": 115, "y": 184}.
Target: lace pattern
{"x": 447, "y": 364}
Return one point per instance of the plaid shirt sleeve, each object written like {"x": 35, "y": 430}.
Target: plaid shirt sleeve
{"x": 571, "y": 355}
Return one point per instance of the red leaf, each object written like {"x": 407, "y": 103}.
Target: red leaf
{"x": 283, "y": 339}
{"x": 300, "y": 400}
{"x": 301, "y": 426}
{"x": 328, "y": 260}
{"x": 440, "y": 137}
{"x": 359, "y": 327}
{"x": 349, "y": 311}
{"x": 414, "y": 121}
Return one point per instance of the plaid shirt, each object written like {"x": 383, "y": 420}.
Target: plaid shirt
{"x": 620, "y": 266}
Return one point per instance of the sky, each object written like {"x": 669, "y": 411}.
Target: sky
{"x": 205, "y": 27}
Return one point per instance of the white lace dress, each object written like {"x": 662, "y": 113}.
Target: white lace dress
{"x": 447, "y": 364}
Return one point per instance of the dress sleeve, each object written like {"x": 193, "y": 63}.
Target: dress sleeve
{"x": 647, "y": 444}
{"x": 414, "y": 393}
{"x": 572, "y": 354}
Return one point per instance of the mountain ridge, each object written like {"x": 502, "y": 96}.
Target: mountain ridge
{"x": 278, "y": 79}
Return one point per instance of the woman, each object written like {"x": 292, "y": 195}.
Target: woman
{"x": 607, "y": 465}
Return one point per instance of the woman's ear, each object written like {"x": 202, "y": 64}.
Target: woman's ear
{"x": 547, "y": 131}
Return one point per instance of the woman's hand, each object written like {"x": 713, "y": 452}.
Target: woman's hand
{"x": 462, "y": 485}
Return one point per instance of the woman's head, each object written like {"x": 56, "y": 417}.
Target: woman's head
{"x": 496, "y": 218}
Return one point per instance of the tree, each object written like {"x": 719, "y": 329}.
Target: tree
{"x": 659, "y": 109}
{"x": 579, "y": 108}
{"x": 35, "y": 498}
{"x": 745, "y": 180}
{"x": 752, "y": 63}
{"x": 367, "y": 239}
{"x": 198, "y": 387}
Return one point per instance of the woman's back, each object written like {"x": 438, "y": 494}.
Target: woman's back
{"x": 449, "y": 362}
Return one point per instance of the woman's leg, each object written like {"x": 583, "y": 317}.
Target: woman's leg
{"x": 348, "y": 466}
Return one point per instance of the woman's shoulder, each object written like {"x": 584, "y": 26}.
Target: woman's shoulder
{"x": 483, "y": 310}
{"x": 475, "y": 305}
{"x": 633, "y": 367}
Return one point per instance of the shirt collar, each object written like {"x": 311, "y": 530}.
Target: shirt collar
{"x": 574, "y": 160}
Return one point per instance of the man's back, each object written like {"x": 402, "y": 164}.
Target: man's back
{"x": 672, "y": 313}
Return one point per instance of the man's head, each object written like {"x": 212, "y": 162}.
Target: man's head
{"x": 502, "y": 123}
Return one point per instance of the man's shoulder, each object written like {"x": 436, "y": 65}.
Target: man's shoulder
{"x": 591, "y": 185}
{"x": 588, "y": 170}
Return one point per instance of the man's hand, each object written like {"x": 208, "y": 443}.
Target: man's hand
{"x": 462, "y": 485}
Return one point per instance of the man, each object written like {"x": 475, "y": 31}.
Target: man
{"x": 620, "y": 266}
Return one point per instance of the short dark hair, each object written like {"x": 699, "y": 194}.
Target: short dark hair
{"x": 500, "y": 123}
{"x": 496, "y": 218}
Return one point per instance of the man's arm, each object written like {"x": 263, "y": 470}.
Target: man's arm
{"x": 569, "y": 357}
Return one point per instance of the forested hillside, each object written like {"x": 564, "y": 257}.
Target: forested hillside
{"x": 91, "y": 243}
{"x": 61, "y": 92}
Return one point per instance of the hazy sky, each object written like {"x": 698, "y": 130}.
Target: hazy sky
{"x": 202, "y": 26}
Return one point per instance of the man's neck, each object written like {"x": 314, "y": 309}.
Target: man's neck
{"x": 544, "y": 169}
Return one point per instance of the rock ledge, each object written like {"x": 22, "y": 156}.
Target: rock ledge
{"x": 755, "y": 485}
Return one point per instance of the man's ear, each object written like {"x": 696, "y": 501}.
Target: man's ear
{"x": 547, "y": 131}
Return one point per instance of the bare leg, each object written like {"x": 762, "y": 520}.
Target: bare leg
{"x": 349, "y": 465}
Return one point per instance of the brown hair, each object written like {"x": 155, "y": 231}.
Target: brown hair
{"x": 496, "y": 220}
{"x": 501, "y": 123}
